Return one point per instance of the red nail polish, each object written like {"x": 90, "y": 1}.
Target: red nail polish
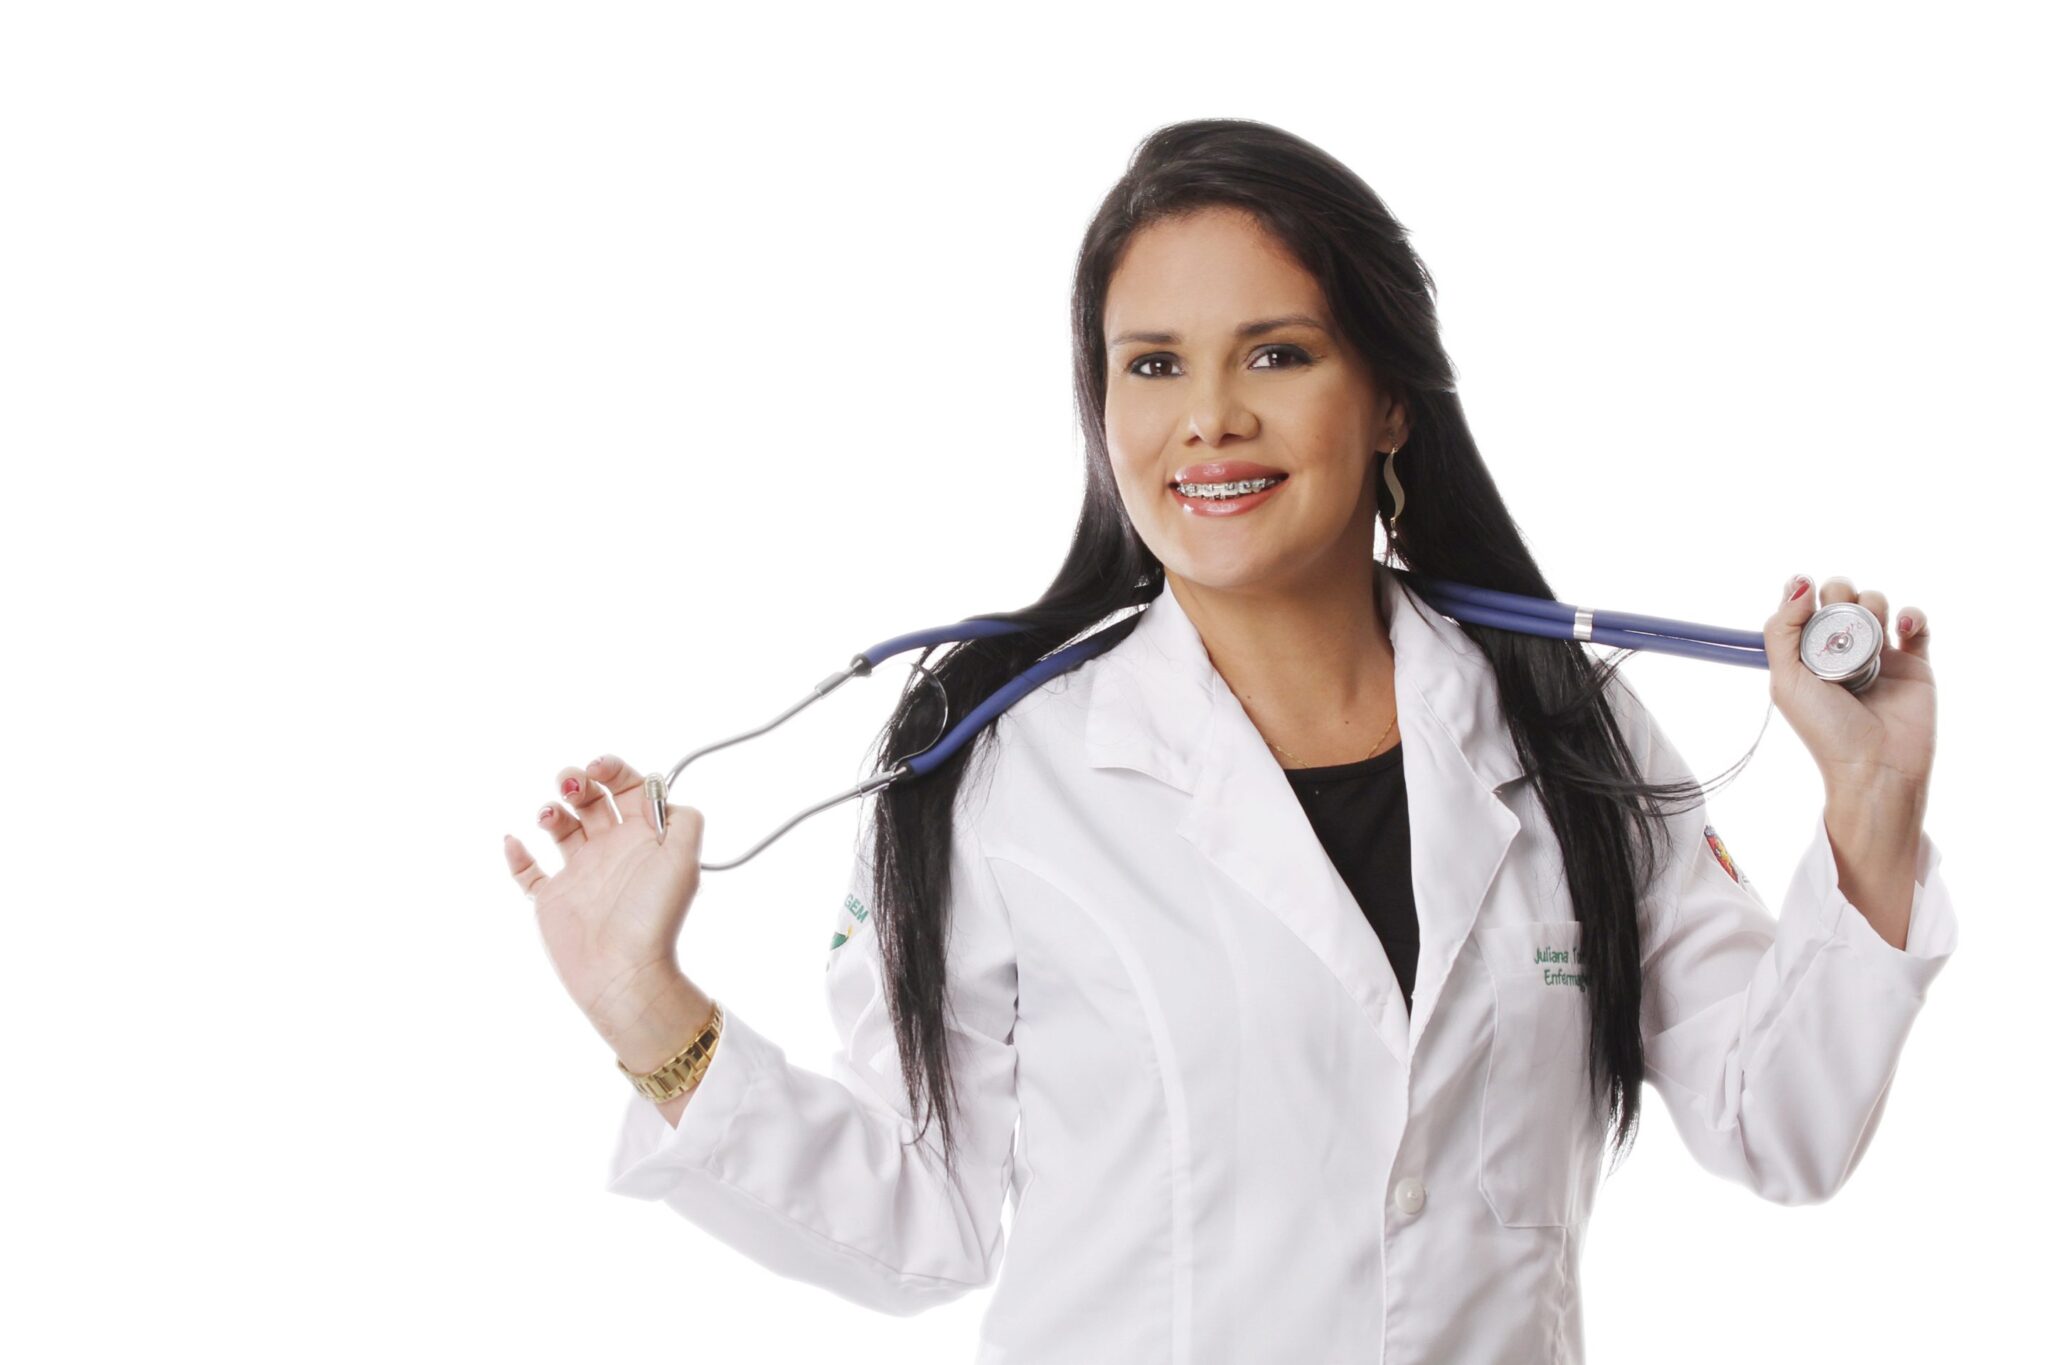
{"x": 571, "y": 787}
{"x": 1800, "y": 591}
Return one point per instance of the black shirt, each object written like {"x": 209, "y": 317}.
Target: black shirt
{"x": 1360, "y": 812}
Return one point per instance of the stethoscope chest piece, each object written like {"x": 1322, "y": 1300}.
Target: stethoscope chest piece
{"x": 1841, "y": 643}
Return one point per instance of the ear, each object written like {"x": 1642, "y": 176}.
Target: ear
{"x": 1397, "y": 425}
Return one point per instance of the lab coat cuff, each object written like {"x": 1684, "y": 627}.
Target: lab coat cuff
{"x": 1931, "y": 930}
{"x": 650, "y": 1156}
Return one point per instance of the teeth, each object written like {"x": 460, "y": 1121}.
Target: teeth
{"x": 1224, "y": 490}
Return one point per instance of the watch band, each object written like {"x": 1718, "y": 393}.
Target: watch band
{"x": 681, "y": 1072}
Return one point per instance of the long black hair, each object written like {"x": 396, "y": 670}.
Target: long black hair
{"x": 1453, "y": 525}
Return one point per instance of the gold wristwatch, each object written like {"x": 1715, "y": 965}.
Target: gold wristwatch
{"x": 681, "y": 1072}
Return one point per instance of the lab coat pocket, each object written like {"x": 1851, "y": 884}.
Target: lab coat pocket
{"x": 1535, "y": 1108}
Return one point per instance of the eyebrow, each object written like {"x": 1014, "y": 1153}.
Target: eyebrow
{"x": 1249, "y": 329}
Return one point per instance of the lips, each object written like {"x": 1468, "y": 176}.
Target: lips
{"x": 1225, "y": 471}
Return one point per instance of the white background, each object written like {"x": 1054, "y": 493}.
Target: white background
{"x": 403, "y": 401}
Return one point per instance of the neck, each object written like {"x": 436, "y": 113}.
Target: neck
{"x": 1313, "y": 666}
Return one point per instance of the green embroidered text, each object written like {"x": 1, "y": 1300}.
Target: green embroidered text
{"x": 1557, "y": 976}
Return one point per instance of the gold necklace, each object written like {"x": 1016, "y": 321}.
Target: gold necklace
{"x": 1375, "y": 744}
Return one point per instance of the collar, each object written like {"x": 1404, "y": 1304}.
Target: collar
{"x": 1158, "y": 691}
{"x": 1158, "y": 705}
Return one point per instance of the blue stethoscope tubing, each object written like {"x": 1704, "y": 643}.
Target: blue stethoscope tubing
{"x": 1562, "y": 621}
{"x": 1480, "y": 606}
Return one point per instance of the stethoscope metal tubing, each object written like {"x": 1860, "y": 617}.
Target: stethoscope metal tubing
{"x": 917, "y": 765}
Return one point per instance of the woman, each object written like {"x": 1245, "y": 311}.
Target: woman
{"x": 1294, "y": 959}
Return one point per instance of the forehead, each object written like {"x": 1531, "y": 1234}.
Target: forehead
{"x": 1205, "y": 275}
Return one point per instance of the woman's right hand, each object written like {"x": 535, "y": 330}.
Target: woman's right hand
{"x": 611, "y": 916}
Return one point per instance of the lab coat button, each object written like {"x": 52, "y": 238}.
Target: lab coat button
{"x": 1409, "y": 1195}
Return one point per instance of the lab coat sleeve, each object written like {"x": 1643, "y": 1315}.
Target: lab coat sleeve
{"x": 809, "y": 1174}
{"x": 1774, "y": 1042}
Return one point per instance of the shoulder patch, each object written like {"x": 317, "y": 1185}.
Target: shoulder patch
{"x": 1726, "y": 859}
{"x": 852, "y": 915}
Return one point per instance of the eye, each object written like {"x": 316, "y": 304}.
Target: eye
{"x": 1137, "y": 367}
{"x": 1295, "y": 353}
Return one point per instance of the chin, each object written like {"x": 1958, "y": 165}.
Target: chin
{"x": 1229, "y": 573}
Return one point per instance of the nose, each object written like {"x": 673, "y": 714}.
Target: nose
{"x": 1216, "y": 412}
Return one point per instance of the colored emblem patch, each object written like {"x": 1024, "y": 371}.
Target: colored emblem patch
{"x": 853, "y": 915}
{"x": 1727, "y": 860}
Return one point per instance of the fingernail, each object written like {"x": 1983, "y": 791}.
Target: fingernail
{"x": 571, "y": 786}
{"x": 1797, "y": 588}
{"x": 595, "y": 763}
{"x": 547, "y": 813}
{"x": 1905, "y": 625}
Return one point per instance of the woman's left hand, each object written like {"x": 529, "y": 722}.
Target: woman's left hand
{"x": 1881, "y": 739}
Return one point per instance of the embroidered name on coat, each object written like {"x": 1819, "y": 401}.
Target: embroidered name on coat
{"x": 1560, "y": 966}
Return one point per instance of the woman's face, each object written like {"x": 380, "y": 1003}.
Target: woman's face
{"x": 1187, "y": 388}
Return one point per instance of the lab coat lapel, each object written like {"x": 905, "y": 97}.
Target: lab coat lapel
{"x": 1159, "y": 706}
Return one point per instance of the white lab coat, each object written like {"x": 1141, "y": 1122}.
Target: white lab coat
{"x": 1181, "y": 1048}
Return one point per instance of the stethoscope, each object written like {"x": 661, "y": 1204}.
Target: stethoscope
{"x": 1841, "y": 643}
